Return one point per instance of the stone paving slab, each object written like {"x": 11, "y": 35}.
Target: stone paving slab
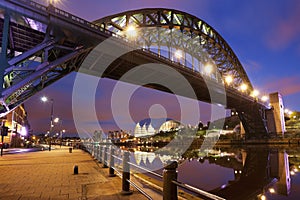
{"x": 49, "y": 175}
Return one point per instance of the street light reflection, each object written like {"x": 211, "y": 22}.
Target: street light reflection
{"x": 272, "y": 190}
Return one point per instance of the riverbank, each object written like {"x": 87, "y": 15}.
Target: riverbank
{"x": 272, "y": 141}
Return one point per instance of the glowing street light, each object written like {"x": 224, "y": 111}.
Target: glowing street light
{"x": 178, "y": 54}
{"x": 208, "y": 68}
{"x": 264, "y": 98}
{"x": 45, "y": 99}
{"x": 228, "y": 79}
{"x": 56, "y": 120}
{"x": 131, "y": 31}
{"x": 255, "y": 93}
{"x": 244, "y": 87}
{"x": 263, "y": 197}
{"x": 286, "y": 111}
{"x": 292, "y": 173}
{"x": 272, "y": 190}
{"x": 51, "y": 2}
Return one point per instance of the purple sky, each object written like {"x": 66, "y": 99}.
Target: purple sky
{"x": 263, "y": 34}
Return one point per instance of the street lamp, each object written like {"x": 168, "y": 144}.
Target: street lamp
{"x": 255, "y": 93}
{"x": 58, "y": 120}
{"x": 51, "y": 2}
{"x": 45, "y": 99}
{"x": 208, "y": 69}
{"x": 228, "y": 79}
{"x": 244, "y": 87}
{"x": 264, "y": 98}
{"x": 61, "y": 134}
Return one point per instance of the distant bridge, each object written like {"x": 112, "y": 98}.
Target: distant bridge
{"x": 41, "y": 44}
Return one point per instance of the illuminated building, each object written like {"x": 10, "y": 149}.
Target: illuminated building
{"x": 18, "y": 126}
{"x": 149, "y": 127}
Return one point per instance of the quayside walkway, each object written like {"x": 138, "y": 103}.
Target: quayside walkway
{"x": 49, "y": 175}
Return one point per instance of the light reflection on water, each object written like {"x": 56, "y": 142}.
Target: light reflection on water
{"x": 244, "y": 173}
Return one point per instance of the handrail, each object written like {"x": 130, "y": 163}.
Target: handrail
{"x": 117, "y": 157}
{"x": 188, "y": 187}
{"x": 147, "y": 170}
{"x": 197, "y": 191}
{"x": 133, "y": 184}
{"x": 139, "y": 189}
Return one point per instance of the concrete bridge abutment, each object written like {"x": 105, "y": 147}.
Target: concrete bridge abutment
{"x": 275, "y": 116}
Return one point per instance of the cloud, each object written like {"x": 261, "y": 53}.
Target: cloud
{"x": 285, "y": 30}
{"x": 286, "y": 85}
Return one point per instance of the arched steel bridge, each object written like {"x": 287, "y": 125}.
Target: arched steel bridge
{"x": 173, "y": 30}
{"x": 42, "y": 44}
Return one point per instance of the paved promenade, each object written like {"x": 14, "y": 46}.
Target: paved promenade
{"x": 49, "y": 175}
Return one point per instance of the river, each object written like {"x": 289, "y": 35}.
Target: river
{"x": 247, "y": 172}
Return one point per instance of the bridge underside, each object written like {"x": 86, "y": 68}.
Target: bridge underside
{"x": 34, "y": 59}
{"x": 250, "y": 111}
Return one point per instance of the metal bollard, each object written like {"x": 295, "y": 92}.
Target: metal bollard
{"x": 169, "y": 188}
{"x": 98, "y": 152}
{"x": 105, "y": 158}
{"x": 126, "y": 174}
{"x": 100, "y": 155}
{"x": 112, "y": 162}
{"x": 94, "y": 150}
{"x": 75, "y": 169}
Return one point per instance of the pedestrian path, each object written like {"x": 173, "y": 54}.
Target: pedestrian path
{"x": 49, "y": 175}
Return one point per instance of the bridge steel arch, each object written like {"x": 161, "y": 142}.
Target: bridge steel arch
{"x": 66, "y": 40}
{"x": 172, "y": 30}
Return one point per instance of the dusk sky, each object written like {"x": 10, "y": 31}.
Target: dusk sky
{"x": 265, "y": 36}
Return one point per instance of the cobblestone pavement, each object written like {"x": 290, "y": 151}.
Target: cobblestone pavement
{"x": 49, "y": 175}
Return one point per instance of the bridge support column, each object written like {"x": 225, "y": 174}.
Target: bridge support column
{"x": 275, "y": 116}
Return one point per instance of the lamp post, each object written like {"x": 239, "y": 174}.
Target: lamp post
{"x": 61, "y": 134}
{"x": 58, "y": 120}
{"x": 45, "y": 99}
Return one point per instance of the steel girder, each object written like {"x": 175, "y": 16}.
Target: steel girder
{"x": 33, "y": 61}
{"x": 35, "y": 57}
{"x": 37, "y": 68}
{"x": 169, "y": 30}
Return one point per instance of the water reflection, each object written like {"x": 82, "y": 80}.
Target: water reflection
{"x": 235, "y": 173}
{"x": 260, "y": 169}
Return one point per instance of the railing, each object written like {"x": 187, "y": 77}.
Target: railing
{"x": 119, "y": 164}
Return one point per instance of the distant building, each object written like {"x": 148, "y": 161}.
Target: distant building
{"x": 149, "y": 127}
